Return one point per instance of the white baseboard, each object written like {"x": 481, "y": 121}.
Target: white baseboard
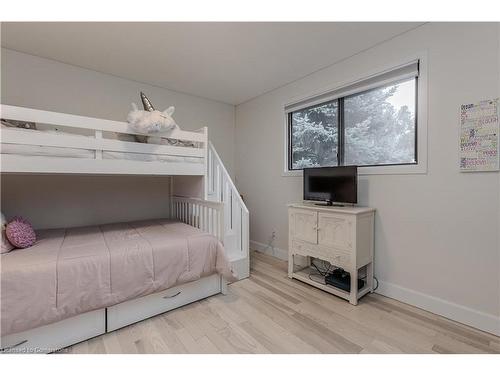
{"x": 459, "y": 313}
{"x": 273, "y": 251}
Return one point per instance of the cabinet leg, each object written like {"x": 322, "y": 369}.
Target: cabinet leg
{"x": 369, "y": 276}
{"x": 353, "y": 296}
{"x": 290, "y": 265}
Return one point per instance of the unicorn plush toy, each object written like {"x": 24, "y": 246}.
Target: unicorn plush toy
{"x": 150, "y": 121}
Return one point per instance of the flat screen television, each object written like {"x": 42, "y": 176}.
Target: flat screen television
{"x": 331, "y": 185}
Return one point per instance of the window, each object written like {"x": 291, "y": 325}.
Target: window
{"x": 314, "y": 136}
{"x": 379, "y": 126}
{"x": 371, "y": 127}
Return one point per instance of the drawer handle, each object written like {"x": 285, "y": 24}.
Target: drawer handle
{"x": 175, "y": 295}
{"x": 13, "y": 346}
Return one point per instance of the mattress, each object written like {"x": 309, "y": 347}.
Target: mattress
{"x": 72, "y": 271}
{"x": 33, "y": 150}
{"x": 150, "y": 157}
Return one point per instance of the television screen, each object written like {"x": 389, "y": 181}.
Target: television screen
{"x": 331, "y": 184}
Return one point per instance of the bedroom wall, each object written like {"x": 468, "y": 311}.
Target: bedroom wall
{"x": 69, "y": 201}
{"x": 498, "y": 232}
{"x": 52, "y": 201}
{"x": 435, "y": 230}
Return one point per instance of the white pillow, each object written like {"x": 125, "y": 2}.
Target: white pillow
{"x": 6, "y": 245}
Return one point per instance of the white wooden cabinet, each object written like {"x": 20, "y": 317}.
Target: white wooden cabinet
{"x": 303, "y": 224}
{"x": 342, "y": 236}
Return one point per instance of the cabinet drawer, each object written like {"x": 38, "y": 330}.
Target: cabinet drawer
{"x": 342, "y": 260}
{"x": 58, "y": 335}
{"x": 301, "y": 248}
{"x": 308, "y": 249}
{"x": 132, "y": 311}
{"x": 337, "y": 257}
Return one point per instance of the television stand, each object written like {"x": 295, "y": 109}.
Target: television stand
{"x": 344, "y": 237}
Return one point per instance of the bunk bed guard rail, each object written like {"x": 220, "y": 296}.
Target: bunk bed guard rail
{"x": 205, "y": 215}
{"x": 94, "y": 141}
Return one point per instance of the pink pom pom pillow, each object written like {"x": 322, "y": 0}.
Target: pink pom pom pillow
{"x": 20, "y": 233}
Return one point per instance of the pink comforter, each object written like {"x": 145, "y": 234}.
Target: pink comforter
{"x": 71, "y": 271}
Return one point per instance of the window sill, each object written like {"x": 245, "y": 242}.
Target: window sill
{"x": 377, "y": 170}
{"x": 291, "y": 174}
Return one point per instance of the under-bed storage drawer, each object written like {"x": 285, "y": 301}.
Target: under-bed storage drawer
{"x": 132, "y": 311}
{"x": 58, "y": 335}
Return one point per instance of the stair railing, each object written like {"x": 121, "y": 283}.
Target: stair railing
{"x": 221, "y": 188}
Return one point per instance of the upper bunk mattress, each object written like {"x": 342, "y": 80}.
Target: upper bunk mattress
{"x": 68, "y": 152}
{"x": 72, "y": 271}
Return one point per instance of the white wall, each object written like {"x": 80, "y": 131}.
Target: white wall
{"x": 40, "y": 83}
{"x": 53, "y": 201}
{"x": 499, "y": 173}
{"x": 50, "y": 201}
{"x": 437, "y": 243}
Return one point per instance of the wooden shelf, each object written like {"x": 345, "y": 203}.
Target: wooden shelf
{"x": 303, "y": 275}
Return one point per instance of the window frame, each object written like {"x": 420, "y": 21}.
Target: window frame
{"x": 417, "y": 167}
{"x": 341, "y": 127}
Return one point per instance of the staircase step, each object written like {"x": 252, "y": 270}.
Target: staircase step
{"x": 222, "y": 189}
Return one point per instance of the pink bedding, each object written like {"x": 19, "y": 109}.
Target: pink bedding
{"x": 71, "y": 271}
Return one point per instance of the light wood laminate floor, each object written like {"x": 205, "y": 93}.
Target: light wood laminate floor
{"x": 269, "y": 313}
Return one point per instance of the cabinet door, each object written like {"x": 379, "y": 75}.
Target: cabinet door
{"x": 335, "y": 230}
{"x": 303, "y": 225}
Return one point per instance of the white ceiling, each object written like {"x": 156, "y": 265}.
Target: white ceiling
{"x": 228, "y": 62}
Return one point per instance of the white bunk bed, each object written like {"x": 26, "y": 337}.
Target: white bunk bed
{"x": 50, "y": 151}
{"x": 99, "y": 152}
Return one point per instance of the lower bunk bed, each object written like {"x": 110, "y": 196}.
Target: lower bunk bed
{"x": 78, "y": 283}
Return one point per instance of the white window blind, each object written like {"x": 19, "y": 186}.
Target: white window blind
{"x": 403, "y": 72}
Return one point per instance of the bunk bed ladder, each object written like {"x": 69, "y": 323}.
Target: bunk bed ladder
{"x": 221, "y": 188}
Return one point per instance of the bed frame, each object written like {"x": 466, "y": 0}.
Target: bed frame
{"x": 205, "y": 215}
{"x": 217, "y": 184}
{"x": 69, "y": 165}
{"x": 59, "y": 335}
{"x": 220, "y": 199}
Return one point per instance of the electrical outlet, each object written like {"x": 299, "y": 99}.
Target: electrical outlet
{"x": 273, "y": 235}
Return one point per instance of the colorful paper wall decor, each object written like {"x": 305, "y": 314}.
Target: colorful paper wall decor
{"x": 479, "y": 136}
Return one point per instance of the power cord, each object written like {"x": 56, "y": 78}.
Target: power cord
{"x": 322, "y": 273}
{"x": 329, "y": 269}
{"x": 270, "y": 243}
